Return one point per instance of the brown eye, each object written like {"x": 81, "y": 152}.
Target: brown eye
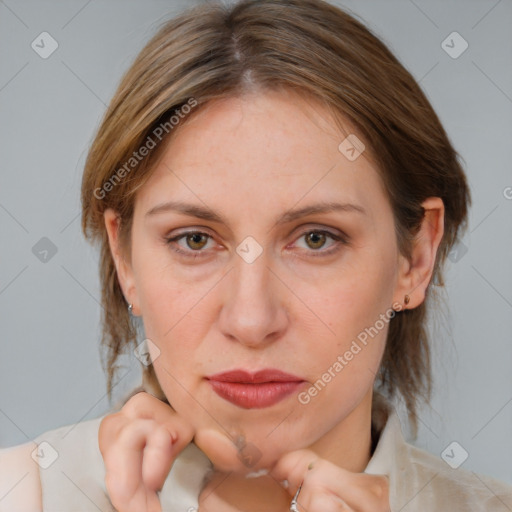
{"x": 319, "y": 242}
{"x": 315, "y": 239}
{"x": 190, "y": 244}
{"x": 196, "y": 241}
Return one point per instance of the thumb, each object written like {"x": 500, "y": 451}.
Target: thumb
{"x": 220, "y": 449}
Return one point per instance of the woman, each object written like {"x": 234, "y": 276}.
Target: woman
{"x": 274, "y": 198}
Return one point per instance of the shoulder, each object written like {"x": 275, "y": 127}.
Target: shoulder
{"x": 20, "y": 486}
{"x": 59, "y": 467}
{"x": 420, "y": 480}
{"x": 440, "y": 484}
{"x": 72, "y": 469}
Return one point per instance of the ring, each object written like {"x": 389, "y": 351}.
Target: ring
{"x": 293, "y": 504}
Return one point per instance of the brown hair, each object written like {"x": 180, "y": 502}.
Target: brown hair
{"x": 309, "y": 46}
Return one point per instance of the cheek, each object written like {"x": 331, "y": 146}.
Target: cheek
{"x": 174, "y": 317}
{"x": 349, "y": 300}
{"x": 346, "y": 363}
{"x": 168, "y": 296}
{"x": 348, "y": 330}
{"x": 177, "y": 317}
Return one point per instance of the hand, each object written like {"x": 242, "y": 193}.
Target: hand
{"x": 139, "y": 445}
{"x": 329, "y": 488}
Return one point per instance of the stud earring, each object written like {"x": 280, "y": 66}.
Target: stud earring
{"x": 407, "y": 299}
{"x": 130, "y": 309}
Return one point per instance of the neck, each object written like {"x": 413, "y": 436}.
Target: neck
{"x": 347, "y": 445}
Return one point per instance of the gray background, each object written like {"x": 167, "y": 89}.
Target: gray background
{"x": 50, "y": 372}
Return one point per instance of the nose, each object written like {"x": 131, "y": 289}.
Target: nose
{"x": 253, "y": 312}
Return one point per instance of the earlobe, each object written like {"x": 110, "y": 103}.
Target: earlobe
{"x": 123, "y": 268}
{"x": 415, "y": 275}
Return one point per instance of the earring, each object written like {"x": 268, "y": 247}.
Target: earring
{"x": 130, "y": 308}
{"x": 407, "y": 299}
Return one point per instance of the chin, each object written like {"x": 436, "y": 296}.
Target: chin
{"x": 242, "y": 450}
{"x": 250, "y": 460}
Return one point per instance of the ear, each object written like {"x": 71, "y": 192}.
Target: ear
{"x": 414, "y": 275}
{"x": 123, "y": 267}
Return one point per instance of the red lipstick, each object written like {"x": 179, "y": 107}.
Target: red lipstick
{"x": 254, "y": 390}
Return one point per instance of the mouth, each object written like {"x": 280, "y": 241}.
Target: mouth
{"x": 257, "y": 390}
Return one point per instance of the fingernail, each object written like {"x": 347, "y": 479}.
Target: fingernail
{"x": 256, "y": 474}
{"x": 239, "y": 441}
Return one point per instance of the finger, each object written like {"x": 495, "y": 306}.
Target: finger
{"x": 359, "y": 491}
{"x": 138, "y": 456}
{"x": 158, "y": 457}
{"x": 323, "y": 502}
{"x": 123, "y": 461}
{"x": 220, "y": 449}
{"x": 144, "y": 405}
{"x": 292, "y": 467}
{"x": 109, "y": 429}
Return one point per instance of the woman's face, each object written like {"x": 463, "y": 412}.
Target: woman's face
{"x": 259, "y": 284}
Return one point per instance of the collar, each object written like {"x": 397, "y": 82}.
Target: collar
{"x": 387, "y": 428}
{"x": 392, "y": 456}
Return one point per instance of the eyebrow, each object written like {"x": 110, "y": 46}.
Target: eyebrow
{"x": 200, "y": 212}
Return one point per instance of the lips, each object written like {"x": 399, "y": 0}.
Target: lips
{"x": 257, "y": 390}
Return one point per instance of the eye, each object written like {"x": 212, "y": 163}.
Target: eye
{"x": 315, "y": 239}
{"x": 194, "y": 241}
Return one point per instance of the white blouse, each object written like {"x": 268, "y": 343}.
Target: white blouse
{"x": 73, "y": 480}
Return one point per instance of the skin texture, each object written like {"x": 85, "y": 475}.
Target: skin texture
{"x": 251, "y": 159}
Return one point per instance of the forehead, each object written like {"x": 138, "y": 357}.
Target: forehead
{"x": 262, "y": 149}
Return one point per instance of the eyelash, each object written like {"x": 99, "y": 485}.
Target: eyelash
{"x": 339, "y": 239}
